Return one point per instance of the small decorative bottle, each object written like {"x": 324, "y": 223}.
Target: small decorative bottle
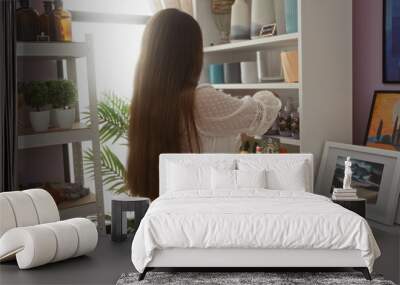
{"x": 240, "y": 21}
{"x": 27, "y": 22}
{"x": 60, "y": 23}
{"x": 295, "y": 124}
{"x": 284, "y": 120}
{"x": 45, "y": 18}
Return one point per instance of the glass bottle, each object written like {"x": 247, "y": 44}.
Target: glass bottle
{"x": 284, "y": 120}
{"x": 27, "y": 22}
{"x": 60, "y": 23}
{"x": 45, "y": 18}
{"x": 295, "y": 124}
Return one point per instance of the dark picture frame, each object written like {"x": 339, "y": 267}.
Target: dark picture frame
{"x": 391, "y": 34}
{"x": 385, "y": 206}
{"x": 387, "y": 134}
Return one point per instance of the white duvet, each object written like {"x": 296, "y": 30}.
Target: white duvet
{"x": 250, "y": 219}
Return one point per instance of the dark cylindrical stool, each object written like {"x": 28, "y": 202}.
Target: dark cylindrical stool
{"x": 119, "y": 207}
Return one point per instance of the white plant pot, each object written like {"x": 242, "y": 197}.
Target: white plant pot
{"x": 40, "y": 120}
{"x": 65, "y": 118}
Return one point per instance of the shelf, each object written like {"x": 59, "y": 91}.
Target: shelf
{"x": 52, "y": 50}
{"x": 256, "y": 44}
{"x": 287, "y": 140}
{"x": 82, "y": 207}
{"x": 88, "y": 199}
{"x": 272, "y": 85}
{"x": 78, "y": 133}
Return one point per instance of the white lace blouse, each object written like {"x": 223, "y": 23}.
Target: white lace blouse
{"x": 221, "y": 118}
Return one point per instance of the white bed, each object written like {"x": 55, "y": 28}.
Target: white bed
{"x": 248, "y": 227}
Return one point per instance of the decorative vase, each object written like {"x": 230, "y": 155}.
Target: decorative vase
{"x": 279, "y": 9}
{"x": 295, "y": 124}
{"x": 291, "y": 16}
{"x": 249, "y": 72}
{"x": 240, "y": 21}
{"x": 221, "y": 11}
{"x": 216, "y": 73}
{"x": 60, "y": 23}
{"x": 262, "y": 13}
{"x": 269, "y": 65}
{"x": 284, "y": 120}
{"x": 39, "y": 120}
{"x": 45, "y": 18}
{"x": 232, "y": 72}
{"x": 28, "y": 22}
{"x": 65, "y": 118}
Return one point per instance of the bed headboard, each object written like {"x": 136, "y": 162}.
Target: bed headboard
{"x": 164, "y": 158}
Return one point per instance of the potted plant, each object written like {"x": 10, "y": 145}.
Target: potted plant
{"x": 62, "y": 94}
{"x": 36, "y": 97}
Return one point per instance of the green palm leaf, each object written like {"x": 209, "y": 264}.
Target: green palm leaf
{"x": 113, "y": 116}
{"x": 112, "y": 169}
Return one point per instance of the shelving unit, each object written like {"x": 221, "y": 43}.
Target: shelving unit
{"x": 66, "y": 54}
{"x": 258, "y": 86}
{"x": 78, "y": 133}
{"x": 280, "y": 41}
{"x": 324, "y": 91}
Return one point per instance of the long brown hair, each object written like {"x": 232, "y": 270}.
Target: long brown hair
{"x": 162, "y": 109}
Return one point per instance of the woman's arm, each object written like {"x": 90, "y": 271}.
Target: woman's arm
{"x": 219, "y": 114}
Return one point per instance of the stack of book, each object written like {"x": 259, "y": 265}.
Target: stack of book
{"x": 344, "y": 194}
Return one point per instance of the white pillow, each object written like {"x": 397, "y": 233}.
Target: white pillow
{"x": 293, "y": 179}
{"x": 282, "y": 174}
{"x": 251, "y": 178}
{"x": 223, "y": 179}
{"x": 237, "y": 179}
{"x": 187, "y": 175}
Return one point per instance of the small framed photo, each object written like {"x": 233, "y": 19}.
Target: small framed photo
{"x": 384, "y": 121}
{"x": 376, "y": 176}
{"x": 268, "y": 30}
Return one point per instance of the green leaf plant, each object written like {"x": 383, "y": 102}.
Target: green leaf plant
{"x": 113, "y": 116}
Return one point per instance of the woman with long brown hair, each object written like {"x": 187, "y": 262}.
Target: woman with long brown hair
{"x": 170, "y": 113}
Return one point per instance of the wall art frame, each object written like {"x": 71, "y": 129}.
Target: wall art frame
{"x": 386, "y": 204}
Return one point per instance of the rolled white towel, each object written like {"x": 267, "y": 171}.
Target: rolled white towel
{"x": 7, "y": 218}
{"x": 40, "y": 244}
{"x": 45, "y": 205}
{"x": 23, "y": 208}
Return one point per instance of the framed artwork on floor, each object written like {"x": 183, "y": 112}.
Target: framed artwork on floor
{"x": 376, "y": 176}
{"x": 391, "y": 41}
{"x": 384, "y": 121}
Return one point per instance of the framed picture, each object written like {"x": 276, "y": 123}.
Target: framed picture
{"x": 268, "y": 30}
{"x": 391, "y": 41}
{"x": 384, "y": 121}
{"x": 376, "y": 176}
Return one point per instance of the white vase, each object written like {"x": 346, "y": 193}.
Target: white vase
{"x": 269, "y": 65}
{"x": 40, "y": 120}
{"x": 249, "y": 72}
{"x": 240, "y": 21}
{"x": 279, "y": 6}
{"x": 65, "y": 118}
{"x": 262, "y": 13}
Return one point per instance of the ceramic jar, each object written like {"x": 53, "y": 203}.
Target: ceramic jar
{"x": 240, "y": 21}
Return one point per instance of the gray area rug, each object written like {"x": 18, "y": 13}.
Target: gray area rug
{"x": 232, "y": 278}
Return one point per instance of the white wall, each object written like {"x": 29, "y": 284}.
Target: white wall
{"x": 116, "y": 53}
